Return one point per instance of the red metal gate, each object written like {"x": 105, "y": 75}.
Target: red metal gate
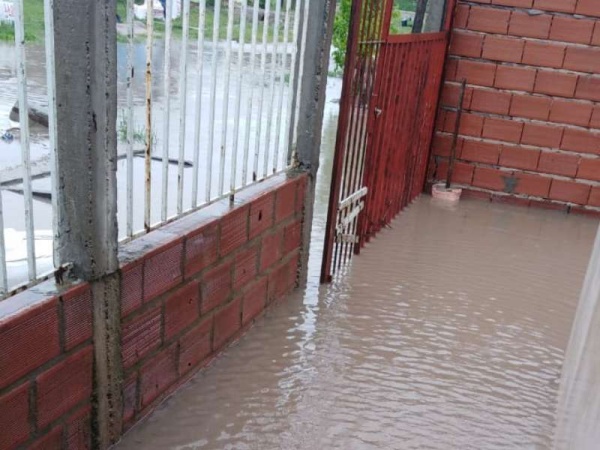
{"x": 387, "y": 113}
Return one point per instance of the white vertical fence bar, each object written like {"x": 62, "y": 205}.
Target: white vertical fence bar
{"x": 251, "y": 93}
{"x": 182, "y": 102}
{"x": 3, "y": 273}
{"x": 236, "y": 128}
{"x": 213, "y": 98}
{"x": 291, "y": 90}
{"x": 284, "y": 57}
{"x": 52, "y": 127}
{"x": 198, "y": 116}
{"x": 130, "y": 118}
{"x": 275, "y": 50}
{"x": 167, "y": 109}
{"x": 247, "y": 132}
{"x": 225, "y": 111}
{"x": 263, "y": 70}
{"x": 225, "y": 116}
{"x": 148, "y": 151}
{"x": 300, "y": 72}
{"x": 24, "y": 128}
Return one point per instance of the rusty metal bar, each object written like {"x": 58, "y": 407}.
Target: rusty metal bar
{"x": 148, "y": 150}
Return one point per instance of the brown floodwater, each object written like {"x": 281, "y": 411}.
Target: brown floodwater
{"x": 448, "y": 331}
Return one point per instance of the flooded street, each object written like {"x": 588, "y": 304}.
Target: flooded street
{"x": 449, "y": 331}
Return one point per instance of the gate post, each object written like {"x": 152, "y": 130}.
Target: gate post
{"x": 313, "y": 83}
{"x": 86, "y": 92}
{"x": 85, "y": 72}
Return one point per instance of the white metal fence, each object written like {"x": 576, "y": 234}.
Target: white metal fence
{"x": 213, "y": 111}
{"x": 25, "y": 248}
{"x": 205, "y": 96}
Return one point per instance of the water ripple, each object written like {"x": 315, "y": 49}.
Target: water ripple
{"x": 447, "y": 332}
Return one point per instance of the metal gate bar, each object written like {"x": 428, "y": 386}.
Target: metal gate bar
{"x": 389, "y": 97}
{"x": 369, "y": 51}
{"x": 362, "y": 55}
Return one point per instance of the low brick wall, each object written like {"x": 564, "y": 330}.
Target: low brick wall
{"x": 187, "y": 291}
{"x": 531, "y": 129}
{"x": 46, "y": 367}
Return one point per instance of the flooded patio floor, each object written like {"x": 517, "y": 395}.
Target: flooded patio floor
{"x": 447, "y": 332}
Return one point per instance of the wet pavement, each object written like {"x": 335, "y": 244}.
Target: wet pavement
{"x": 449, "y": 331}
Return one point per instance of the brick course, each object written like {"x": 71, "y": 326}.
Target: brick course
{"x": 531, "y": 119}
{"x": 235, "y": 263}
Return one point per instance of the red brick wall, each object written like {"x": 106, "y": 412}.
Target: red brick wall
{"x": 46, "y": 359}
{"x": 187, "y": 291}
{"x": 531, "y": 129}
{"x": 194, "y": 286}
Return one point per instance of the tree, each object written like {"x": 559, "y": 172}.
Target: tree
{"x": 341, "y": 25}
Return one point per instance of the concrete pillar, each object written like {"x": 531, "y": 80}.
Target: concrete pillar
{"x": 86, "y": 92}
{"x": 436, "y": 12}
{"x": 419, "y": 16}
{"x": 312, "y": 103}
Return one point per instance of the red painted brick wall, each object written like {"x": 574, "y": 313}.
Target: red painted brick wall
{"x": 531, "y": 129}
{"x": 187, "y": 291}
{"x": 46, "y": 360}
{"x": 194, "y": 286}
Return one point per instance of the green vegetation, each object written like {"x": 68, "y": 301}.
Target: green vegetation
{"x": 405, "y": 5}
{"x": 33, "y": 11}
{"x": 34, "y": 22}
{"x": 6, "y": 32}
{"x": 341, "y": 26}
{"x": 139, "y": 134}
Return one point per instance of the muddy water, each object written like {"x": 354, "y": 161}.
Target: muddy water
{"x": 447, "y": 332}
